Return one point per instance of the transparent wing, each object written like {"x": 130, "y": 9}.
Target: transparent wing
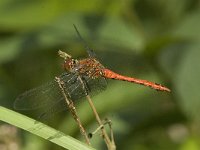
{"x": 92, "y": 86}
{"x": 90, "y": 52}
{"x": 48, "y": 98}
{"x": 45, "y": 95}
{"x": 47, "y": 113}
{"x": 96, "y": 85}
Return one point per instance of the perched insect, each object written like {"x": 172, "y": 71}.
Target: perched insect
{"x": 49, "y": 98}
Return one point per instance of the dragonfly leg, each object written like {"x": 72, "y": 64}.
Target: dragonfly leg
{"x": 73, "y": 79}
{"x": 79, "y": 82}
{"x": 106, "y": 121}
{"x": 85, "y": 86}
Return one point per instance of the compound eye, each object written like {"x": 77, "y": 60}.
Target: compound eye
{"x": 74, "y": 61}
{"x": 67, "y": 64}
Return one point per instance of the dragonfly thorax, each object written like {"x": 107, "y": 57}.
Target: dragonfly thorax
{"x": 89, "y": 67}
{"x": 71, "y": 65}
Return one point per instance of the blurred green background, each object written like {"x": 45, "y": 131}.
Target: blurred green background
{"x": 157, "y": 40}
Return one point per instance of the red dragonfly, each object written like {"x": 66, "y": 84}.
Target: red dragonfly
{"x": 49, "y": 98}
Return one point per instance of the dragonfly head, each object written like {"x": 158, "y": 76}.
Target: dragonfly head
{"x": 70, "y": 64}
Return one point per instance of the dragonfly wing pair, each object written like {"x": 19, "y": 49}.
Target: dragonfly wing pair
{"x": 48, "y": 100}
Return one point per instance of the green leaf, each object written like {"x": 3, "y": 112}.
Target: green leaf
{"x": 186, "y": 82}
{"x": 117, "y": 33}
{"x": 41, "y": 130}
{"x": 9, "y": 48}
{"x": 25, "y": 14}
{"x": 189, "y": 27}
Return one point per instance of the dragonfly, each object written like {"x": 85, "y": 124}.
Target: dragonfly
{"x": 49, "y": 98}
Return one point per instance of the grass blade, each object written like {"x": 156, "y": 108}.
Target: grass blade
{"x": 41, "y": 130}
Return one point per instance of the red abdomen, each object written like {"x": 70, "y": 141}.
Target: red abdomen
{"x": 112, "y": 75}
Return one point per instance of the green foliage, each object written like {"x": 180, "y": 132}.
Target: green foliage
{"x": 41, "y": 130}
{"x": 156, "y": 40}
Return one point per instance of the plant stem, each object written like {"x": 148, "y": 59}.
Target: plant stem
{"x": 110, "y": 143}
{"x": 72, "y": 109}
